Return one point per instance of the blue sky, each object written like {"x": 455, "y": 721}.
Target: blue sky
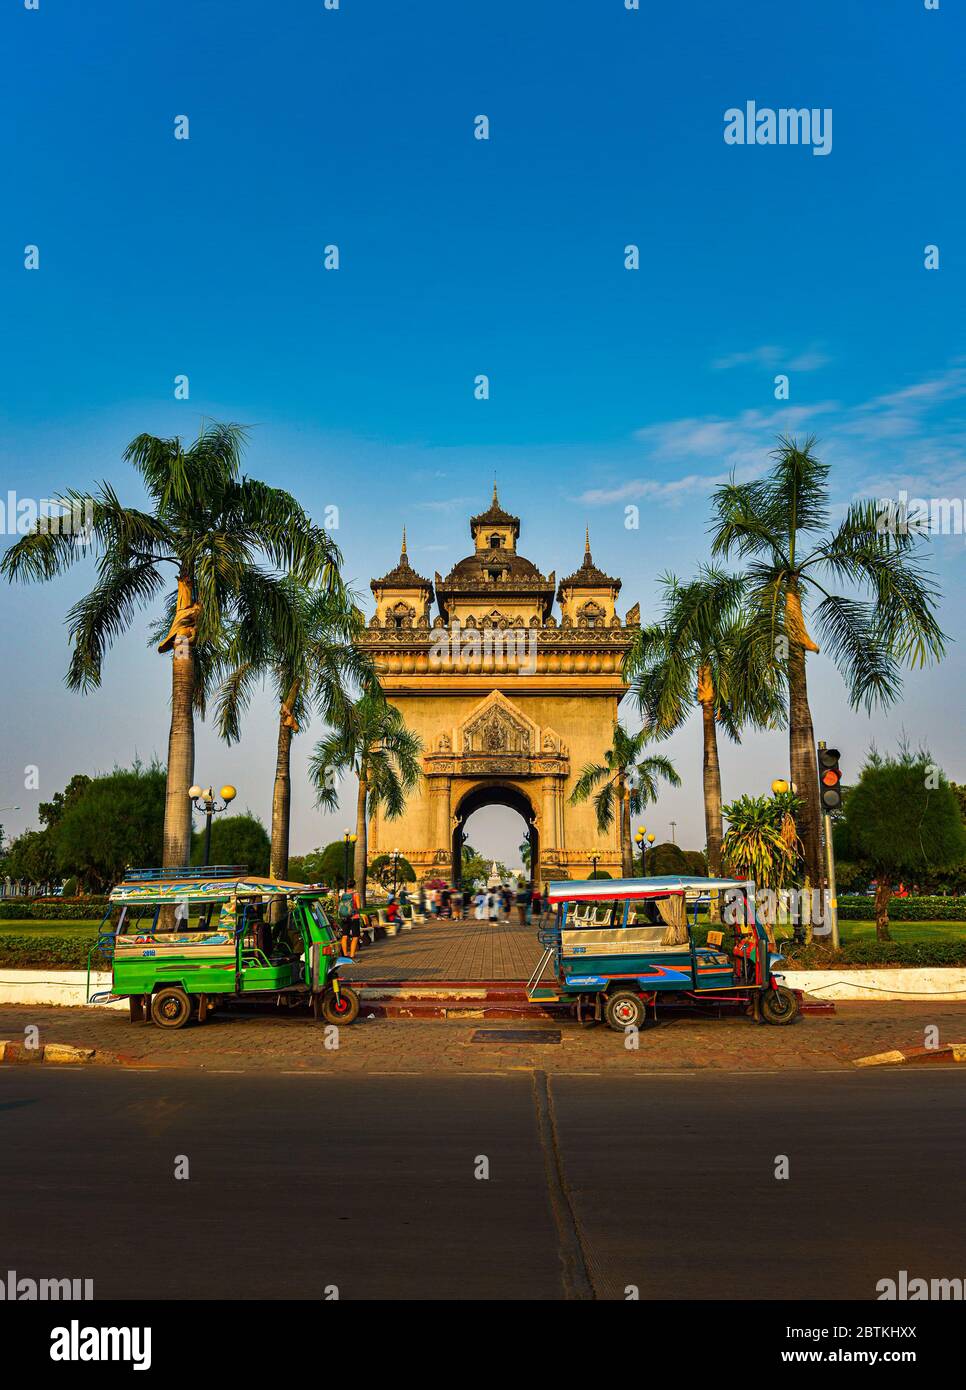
{"x": 609, "y": 387}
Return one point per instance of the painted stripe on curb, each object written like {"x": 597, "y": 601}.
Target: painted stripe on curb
{"x": 949, "y": 1052}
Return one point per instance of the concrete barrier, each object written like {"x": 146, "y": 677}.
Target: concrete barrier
{"x": 900, "y": 983}
{"x": 67, "y": 987}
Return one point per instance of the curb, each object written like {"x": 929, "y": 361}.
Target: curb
{"x": 54, "y": 1055}
{"x": 948, "y": 1053}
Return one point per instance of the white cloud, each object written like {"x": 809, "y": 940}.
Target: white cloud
{"x": 888, "y": 441}
{"x": 771, "y": 357}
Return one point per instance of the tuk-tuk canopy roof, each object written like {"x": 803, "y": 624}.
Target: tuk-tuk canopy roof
{"x": 607, "y": 889}
{"x": 202, "y": 888}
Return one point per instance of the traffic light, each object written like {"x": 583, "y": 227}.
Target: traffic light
{"x": 829, "y": 779}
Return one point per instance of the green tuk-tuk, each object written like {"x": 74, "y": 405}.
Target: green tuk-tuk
{"x": 181, "y": 941}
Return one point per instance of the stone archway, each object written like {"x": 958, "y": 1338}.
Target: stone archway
{"x": 494, "y": 794}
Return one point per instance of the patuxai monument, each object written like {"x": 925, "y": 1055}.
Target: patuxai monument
{"x": 510, "y": 698}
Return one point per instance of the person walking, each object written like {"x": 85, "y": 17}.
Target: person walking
{"x": 493, "y": 906}
{"x": 522, "y": 902}
{"x": 350, "y": 924}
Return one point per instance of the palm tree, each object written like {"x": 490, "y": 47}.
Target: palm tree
{"x": 762, "y": 846}
{"x": 312, "y": 663}
{"x": 779, "y": 523}
{"x": 216, "y": 529}
{"x": 700, "y": 653}
{"x": 368, "y": 738}
{"x": 627, "y": 779}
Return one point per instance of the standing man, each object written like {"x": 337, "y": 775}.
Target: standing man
{"x": 350, "y": 924}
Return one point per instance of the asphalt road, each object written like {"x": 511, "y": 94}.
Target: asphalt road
{"x": 298, "y": 1183}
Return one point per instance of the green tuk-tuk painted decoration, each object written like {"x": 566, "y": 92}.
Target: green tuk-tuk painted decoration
{"x": 181, "y": 941}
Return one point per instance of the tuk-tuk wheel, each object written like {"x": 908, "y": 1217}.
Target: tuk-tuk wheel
{"x": 170, "y": 1007}
{"x": 342, "y": 1007}
{"x": 779, "y": 1005}
{"x": 624, "y": 1010}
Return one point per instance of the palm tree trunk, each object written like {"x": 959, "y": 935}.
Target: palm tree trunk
{"x": 713, "y": 828}
{"x": 362, "y": 849}
{"x": 883, "y": 892}
{"x": 181, "y": 759}
{"x": 627, "y": 851}
{"x": 804, "y": 766}
{"x": 281, "y": 802}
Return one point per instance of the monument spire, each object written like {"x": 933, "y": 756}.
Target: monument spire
{"x": 403, "y": 551}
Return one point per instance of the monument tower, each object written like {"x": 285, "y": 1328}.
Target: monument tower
{"x": 510, "y": 700}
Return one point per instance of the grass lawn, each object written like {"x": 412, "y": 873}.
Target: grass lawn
{"x": 83, "y": 928}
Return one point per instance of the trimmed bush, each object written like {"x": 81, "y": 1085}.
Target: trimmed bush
{"x": 52, "y": 909}
{"x": 872, "y": 953}
{"x": 56, "y": 952}
{"x": 921, "y": 909}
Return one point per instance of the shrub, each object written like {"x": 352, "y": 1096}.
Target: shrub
{"x": 56, "y": 952}
{"x": 874, "y": 952}
{"x": 920, "y": 909}
{"x": 52, "y": 910}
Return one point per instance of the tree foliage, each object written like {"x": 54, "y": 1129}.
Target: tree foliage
{"x": 113, "y": 822}
{"x": 240, "y": 839}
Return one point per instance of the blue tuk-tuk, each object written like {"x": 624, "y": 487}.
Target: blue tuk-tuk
{"x": 618, "y": 947}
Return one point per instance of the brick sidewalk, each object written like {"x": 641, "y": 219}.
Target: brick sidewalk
{"x": 267, "y": 1041}
{"x": 452, "y": 950}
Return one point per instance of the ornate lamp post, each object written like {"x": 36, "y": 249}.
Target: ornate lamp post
{"x": 394, "y": 856}
{"x": 645, "y": 841}
{"x": 204, "y": 801}
{"x": 347, "y": 839}
{"x": 593, "y": 860}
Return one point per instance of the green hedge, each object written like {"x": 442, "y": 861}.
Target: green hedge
{"x": 866, "y": 953}
{"x": 922, "y": 909}
{"x": 52, "y": 910}
{"x": 61, "y": 952}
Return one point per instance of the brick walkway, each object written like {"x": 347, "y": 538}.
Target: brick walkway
{"x": 447, "y": 950}
{"x": 270, "y": 1041}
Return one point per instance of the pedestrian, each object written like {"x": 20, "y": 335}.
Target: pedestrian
{"x": 480, "y": 901}
{"x": 534, "y": 902}
{"x": 493, "y": 906}
{"x": 350, "y": 923}
{"x": 445, "y": 898}
{"x": 545, "y": 902}
{"x": 523, "y": 902}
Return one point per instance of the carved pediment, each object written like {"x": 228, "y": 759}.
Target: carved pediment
{"x": 496, "y": 731}
{"x": 497, "y": 727}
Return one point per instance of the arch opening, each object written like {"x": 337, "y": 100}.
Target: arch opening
{"x": 479, "y": 797}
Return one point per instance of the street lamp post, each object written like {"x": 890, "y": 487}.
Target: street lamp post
{"x": 203, "y": 800}
{"x": 395, "y": 869}
{"x": 645, "y": 841}
{"x": 347, "y": 839}
{"x": 593, "y": 860}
